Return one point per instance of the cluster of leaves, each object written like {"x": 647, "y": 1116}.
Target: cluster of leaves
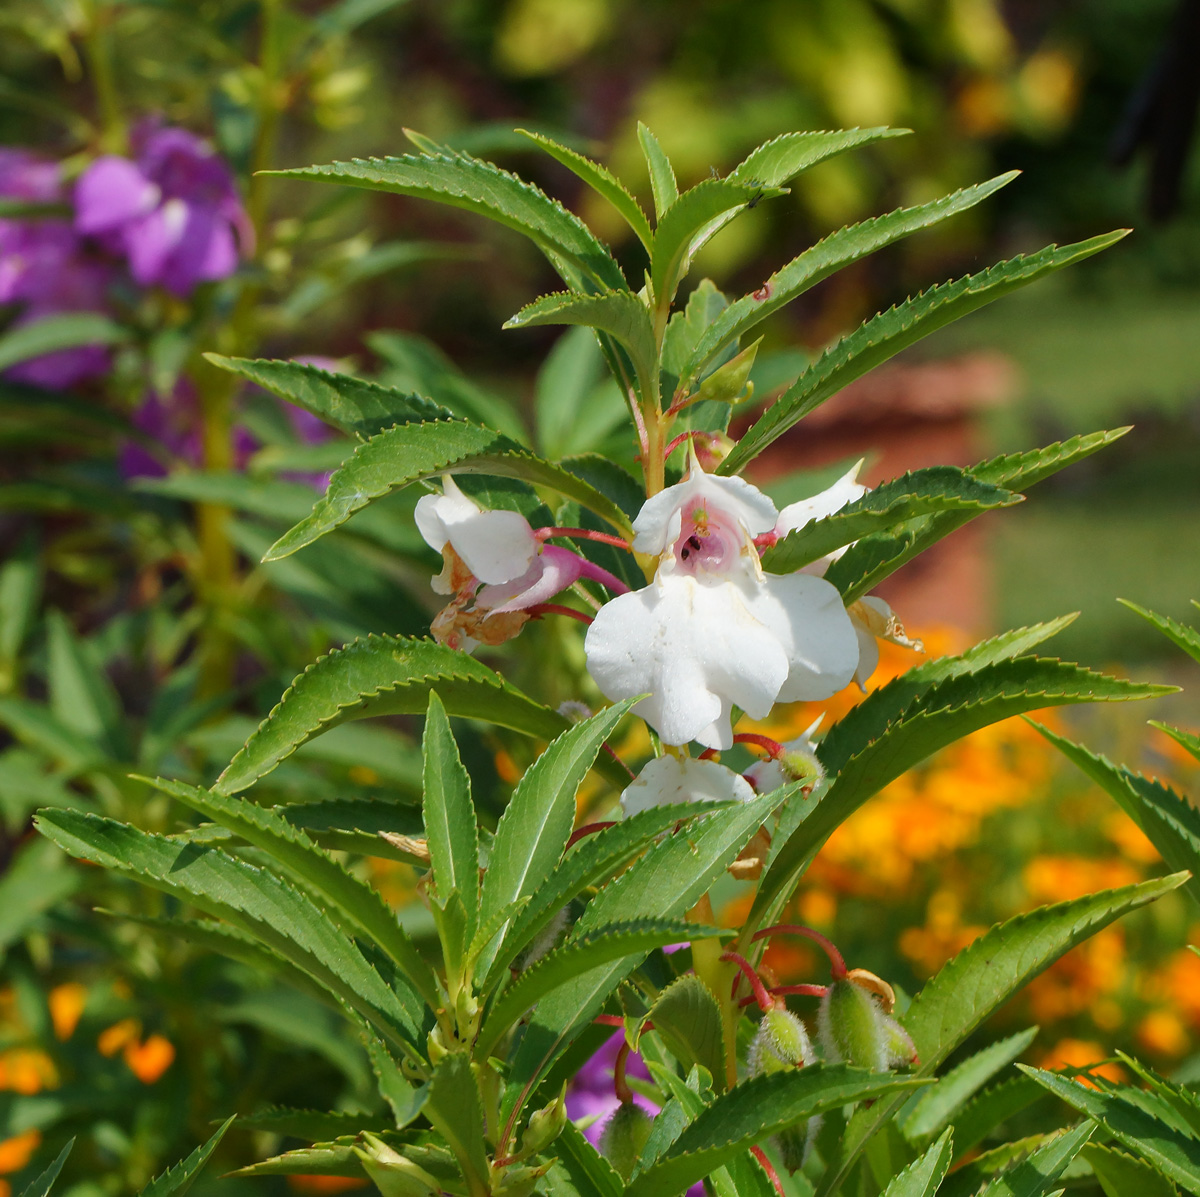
{"x": 472, "y": 1033}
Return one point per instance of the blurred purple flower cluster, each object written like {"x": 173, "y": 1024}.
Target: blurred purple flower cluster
{"x": 169, "y": 216}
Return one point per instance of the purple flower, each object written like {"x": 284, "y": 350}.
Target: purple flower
{"x": 173, "y": 211}
{"x": 45, "y": 268}
{"x": 591, "y": 1093}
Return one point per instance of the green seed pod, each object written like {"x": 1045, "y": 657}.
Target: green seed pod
{"x": 796, "y": 1142}
{"x": 393, "y": 1174}
{"x": 780, "y": 1043}
{"x": 624, "y": 1136}
{"x": 545, "y": 1125}
{"x": 854, "y": 1029}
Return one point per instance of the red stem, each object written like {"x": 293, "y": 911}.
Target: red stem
{"x": 710, "y": 754}
{"x": 677, "y": 441}
{"x": 558, "y": 609}
{"x": 761, "y": 1156}
{"x": 586, "y": 829}
{"x": 784, "y": 990}
{"x": 609, "y": 1020}
{"x": 620, "y": 1085}
{"x": 582, "y": 534}
{"x": 764, "y": 999}
{"x": 772, "y": 747}
{"x": 837, "y": 966}
{"x": 613, "y": 753}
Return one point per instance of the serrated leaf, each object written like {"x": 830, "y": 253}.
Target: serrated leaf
{"x": 408, "y": 453}
{"x": 687, "y": 1018}
{"x": 923, "y": 1176}
{"x": 829, "y": 255}
{"x": 1035, "y": 1176}
{"x": 782, "y": 158}
{"x": 335, "y": 1158}
{"x": 455, "y": 1109}
{"x": 620, "y": 314}
{"x": 177, "y": 1180}
{"x": 312, "y": 1125}
{"x": 983, "y": 976}
{"x": 405, "y": 1101}
{"x": 1188, "y": 741}
{"x": 883, "y": 336}
{"x": 1122, "y": 1175}
{"x": 354, "y": 405}
{"x": 450, "y": 827}
{"x": 578, "y": 955}
{"x": 938, "y": 1104}
{"x": 1170, "y": 822}
{"x": 350, "y": 900}
{"x": 1173, "y": 1153}
{"x": 533, "y": 831}
{"x": 382, "y": 675}
{"x": 662, "y": 175}
{"x": 601, "y": 180}
{"x": 753, "y": 1111}
{"x": 607, "y": 852}
{"x": 689, "y": 222}
{"x": 1018, "y": 471}
{"x": 1178, "y": 633}
{"x": 51, "y": 334}
{"x": 252, "y": 899}
{"x": 920, "y": 492}
{"x": 41, "y": 1185}
{"x": 665, "y": 883}
{"x": 990, "y": 1109}
{"x": 590, "y": 1173}
{"x": 465, "y": 182}
{"x": 944, "y": 712}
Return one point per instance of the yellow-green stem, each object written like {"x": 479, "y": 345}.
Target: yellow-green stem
{"x": 718, "y": 976}
{"x": 98, "y": 48}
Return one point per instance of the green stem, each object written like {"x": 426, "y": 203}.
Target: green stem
{"x": 98, "y": 48}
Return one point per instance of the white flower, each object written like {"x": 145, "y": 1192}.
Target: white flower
{"x": 800, "y": 756}
{"x": 668, "y": 780}
{"x": 846, "y": 490}
{"x": 712, "y": 631}
{"x": 873, "y": 618}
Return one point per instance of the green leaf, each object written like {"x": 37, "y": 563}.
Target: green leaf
{"x": 53, "y": 333}
{"x": 349, "y": 899}
{"x": 1178, "y": 633}
{"x": 991, "y": 1109}
{"x": 621, "y": 314}
{"x": 449, "y": 814}
{"x": 1185, "y": 740}
{"x": 465, "y": 182}
{"x": 405, "y": 1102}
{"x": 883, "y": 336}
{"x": 597, "y": 859}
{"x": 382, "y": 675}
{"x": 408, "y": 453}
{"x": 938, "y": 1105}
{"x": 662, "y": 176}
{"x": 752, "y": 1112}
{"x": 34, "y": 880}
{"x": 689, "y": 222}
{"x": 921, "y": 492}
{"x": 253, "y": 900}
{"x": 357, "y": 407}
{"x": 312, "y": 1125}
{"x": 533, "y": 831}
{"x": 923, "y": 1176}
{"x": 944, "y": 712}
{"x": 321, "y": 1159}
{"x": 1170, "y": 821}
{"x": 578, "y": 955}
{"x": 782, "y": 158}
{"x": 665, "y": 883}
{"x": 601, "y": 180}
{"x": 33, "y": 724}
{"x": 455, "y": 1109}
{"x": 590, "y": 1173}
{"x": 347, "y": 15}
{"x": 1122, "y": 1175}
{"x": 20, "y": 589}
{"x": 825, "y": 258}
{"x": 687, "y": 1018}
{"x": 81, "y": 696}
{"x": 1175, "y": 1154}
{"x": 44, "y": 1183}
{"x": 1019, "y": 471}
{"x": 984, "y": 975}
{"x": 1036, "y": 1175}
{"x": 177, "y": 1180}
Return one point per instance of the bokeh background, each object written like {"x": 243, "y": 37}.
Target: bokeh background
{"x": 397, "y": 289}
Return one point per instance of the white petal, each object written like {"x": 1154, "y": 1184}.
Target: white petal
{"x": 844, "y": 491}
{"x": 868, "y": 653}
{"x": 435, "y": 513}
{"x": 551, "y": 572}
{"x": 807, "y": 616}
{"x": 658, "y": 525}
{"x": 668, "y": 780}
{"x": 696, "y": 649}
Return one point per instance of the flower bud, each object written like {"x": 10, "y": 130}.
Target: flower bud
{"x": 519, "y": 1180}
{"x": 854, "y": 1029}
{"x": 780, "y": 1043}
{"x": 545, "y": 1125}
{"x": 393, "y": 1174}
{"x": 624, "y": 1136}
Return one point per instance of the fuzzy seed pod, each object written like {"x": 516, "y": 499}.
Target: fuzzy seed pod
{"x": 853, "y": 1029}
{"x": 781, "y": 1042}
{"x": 624, "y": 1136}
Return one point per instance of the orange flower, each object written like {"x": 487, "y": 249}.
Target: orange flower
{"x": 1058, "y": 878}
{"x": 1080, "y": 1053}
{"x": 1073, "y": 983}
{"x": 1163, "y": 1033}
{"x": 113, "y": 1039}
{"x": 149, "y": 1060}
{"x": 27, "y": 1070}
{"x": 66, "y": 1004}
{"x": 16, "y": 1152}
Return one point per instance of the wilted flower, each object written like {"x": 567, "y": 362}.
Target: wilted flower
{"x": 712, "y": 630}
{"x": 173, "y": 210}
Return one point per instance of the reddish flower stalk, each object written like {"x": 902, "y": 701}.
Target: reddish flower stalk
{"x": 784, "y": 990}
{"x": 620, "y": 1084}
{"x": 679, "y": 440}
{"x": 837, "y": 966}
{"x": 609, "y": 1020}
{"x": 710, "y": 754}
{"x": 582, "y": 534}
{"x": 765, "y": 1002}
{"x": 586, "y": 829}
{"x": 766, "y": 540}
{"x": 761, "y": 1156}
{"x": 612, "y": 752}
{"x": 772, "y": 747}
{"x": 558, "y": 609}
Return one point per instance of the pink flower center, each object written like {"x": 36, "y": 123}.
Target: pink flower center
{"x": 709, "y": 542}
